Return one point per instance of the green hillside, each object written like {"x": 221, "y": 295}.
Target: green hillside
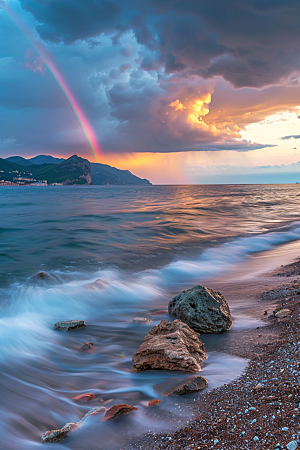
{"x": 19, "y": 160}
{"x": 74, "y": 170}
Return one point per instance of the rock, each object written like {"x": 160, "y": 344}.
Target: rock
{"x": 118, "y": 410}
{"x": 154, "y": 402}
{"x": 177, "y": 386}
{"x": 93, "y": 412}
{"x": 67, "y": 325}
{"x": 45, "y": 276}
{"x": 203, "y": 309}
{"x": 82, "y": 398}
{"x": 59, "y": 435}
{"x": 282, "y": 313}
{"x": 142, "y": 320}
{"x": 87, "y": 347}
{"x": 96, "y": 285}
{"x": 170, "y": 346}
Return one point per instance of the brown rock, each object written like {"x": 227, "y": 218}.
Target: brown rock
{"x": 59, "y": 435}
{"x": 176, "y": 386}
{"x": 154, "y": 402}
{"x": 117, "y": 410}
{"x": 87, "y": 347}
{"x": 82, "y": 398}
{"x": 142, "y": 320}
{"x": 170, "y": 346}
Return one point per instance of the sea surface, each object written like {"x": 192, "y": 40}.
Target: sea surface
{"x": 114, "y": 253}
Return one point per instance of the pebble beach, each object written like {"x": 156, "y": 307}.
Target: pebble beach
{"x": 260, "y": 410}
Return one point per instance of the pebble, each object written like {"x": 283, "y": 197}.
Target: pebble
{"x": 292, "y": 445}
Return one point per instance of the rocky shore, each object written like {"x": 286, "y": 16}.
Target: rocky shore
{"x": 260, "y": 410}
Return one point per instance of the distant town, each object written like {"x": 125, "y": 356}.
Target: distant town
{"x": 22, "y": 181}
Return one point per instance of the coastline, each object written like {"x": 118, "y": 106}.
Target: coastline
{"x": 259, "y": 410}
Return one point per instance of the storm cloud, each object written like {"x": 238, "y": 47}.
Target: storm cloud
{"x": 248, "y": 42}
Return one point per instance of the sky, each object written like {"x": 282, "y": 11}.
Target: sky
{"x": 176, "y": 91}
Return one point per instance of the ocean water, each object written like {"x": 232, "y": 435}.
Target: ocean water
{"x": 112, "y": 254}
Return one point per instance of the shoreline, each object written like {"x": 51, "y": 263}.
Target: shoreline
{"x": 258, "y": 410}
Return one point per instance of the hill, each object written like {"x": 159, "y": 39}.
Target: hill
{"x": 45, "y": 159}
{"x": 74, "y": 170}
{"x": 19, "y": 160}
{"x": 102, "y": 174}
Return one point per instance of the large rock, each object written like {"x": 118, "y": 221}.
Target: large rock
{"x": 67, "y": 325}
{"x": 203, "y": 309}
{"x": 170, "y": 346}
{"x": 175, "y": 386}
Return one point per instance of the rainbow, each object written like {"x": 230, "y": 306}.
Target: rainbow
{"x": 48, "y": 61}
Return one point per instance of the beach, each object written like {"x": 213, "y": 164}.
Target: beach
{"x": 259, "y": 410}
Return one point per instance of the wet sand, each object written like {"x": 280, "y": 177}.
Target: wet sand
{"x": 259, "y": 410}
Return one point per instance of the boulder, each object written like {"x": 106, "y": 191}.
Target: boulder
{"x": 154, "y": 402}
{"x": 203, "y": 309}
{"x": 118, "y": 410}
{"x": 142, "y": 320}
{"x": 67, "y": 325}
{"x": 59, "y": 435}
{"x": 87, "y": 347}
{"x": 170, "y": 346}
{"x": 82, "y": 398}
{"x": 176, "y": 386}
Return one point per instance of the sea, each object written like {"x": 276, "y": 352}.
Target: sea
{"x": 113, "y": 253}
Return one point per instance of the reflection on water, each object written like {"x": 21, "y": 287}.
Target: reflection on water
{"x": 76, "y": 234}
{"x": 129, "y": 225}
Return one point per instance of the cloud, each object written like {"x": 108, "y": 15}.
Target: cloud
{"x": 293, "y": 136}
{"x": 247, "y": 42}
{"x": 278, "y": 173}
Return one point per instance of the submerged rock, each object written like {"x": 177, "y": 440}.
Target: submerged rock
{"x": 170, "y": 346}
{"x": 82, "y": 398}
{"x": 203, "y": 309}
{"x": 93, "y": 412}
{"x": 118, "y": 410}
{"x": 59, "y": 435}
{"x": 62, "y": 433}
{"x": 87, "y": 347}
{"x": 178, "y": 386}
{"x": 67, "y": 325}
{"x": 154, "y": 402}
{"x": 142, "y": 320}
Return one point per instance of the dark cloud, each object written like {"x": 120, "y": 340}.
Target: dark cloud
{"x": 293, "y": 136}
{"x": 248, "y": 42}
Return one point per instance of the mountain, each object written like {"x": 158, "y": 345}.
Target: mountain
{"x": 45, "y": 159}
{"x": 104, "y": 174}
{"x": 74, "y": 170}
{"x": 19, "y": 160}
